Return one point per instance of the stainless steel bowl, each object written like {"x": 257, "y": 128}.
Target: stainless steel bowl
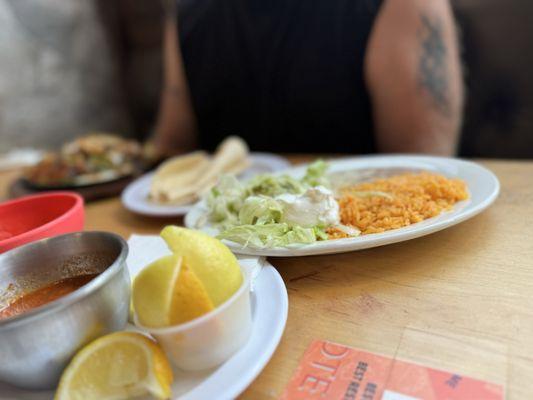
{"x": 36, "y": 346}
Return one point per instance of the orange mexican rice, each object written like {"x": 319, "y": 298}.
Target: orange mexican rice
{"x": 397, "y": 201}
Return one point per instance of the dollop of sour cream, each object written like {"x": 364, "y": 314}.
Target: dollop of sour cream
{"x": 316, "y": 206}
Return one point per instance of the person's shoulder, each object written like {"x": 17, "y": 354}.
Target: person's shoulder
{"x": 406, "y": 14}
{"x": 399, "y": 25}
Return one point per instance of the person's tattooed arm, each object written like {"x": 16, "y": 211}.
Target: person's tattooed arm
{"x": 414, "y": 77}
{"x": 433, "y": 68}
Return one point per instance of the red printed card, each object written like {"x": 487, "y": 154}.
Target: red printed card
{"x": 332, "y": 371}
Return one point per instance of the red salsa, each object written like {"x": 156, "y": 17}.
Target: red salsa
{"x": 44, "y": 295}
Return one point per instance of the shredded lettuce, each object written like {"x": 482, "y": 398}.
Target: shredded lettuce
{"x": 248, "y": 213}
{"x": 260, "y": 210}
{"x": 316, "y": 174}
{"x": 270, "y": 185}
{"x": 225, "y": 200}
{"x": 272, "y": 235}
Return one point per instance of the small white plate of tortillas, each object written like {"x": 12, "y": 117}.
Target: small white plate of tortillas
{"x": 179, "y": 183}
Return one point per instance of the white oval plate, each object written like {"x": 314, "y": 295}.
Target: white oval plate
{"x": 269, "y": 315}
{"x": 482, "y": 185}
{"x": 135, "y": 196}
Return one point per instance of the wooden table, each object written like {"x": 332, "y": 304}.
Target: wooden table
{"x": 460, "y": 299}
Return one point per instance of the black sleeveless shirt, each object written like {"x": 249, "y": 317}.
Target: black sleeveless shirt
{"x": 286, "y": 75}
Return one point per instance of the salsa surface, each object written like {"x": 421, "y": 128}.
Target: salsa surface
{"x": 44, "y": 295}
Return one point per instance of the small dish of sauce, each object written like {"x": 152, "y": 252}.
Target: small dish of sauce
{"x": 44, "y": 295}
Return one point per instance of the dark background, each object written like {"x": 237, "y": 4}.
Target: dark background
{"x": 497, "y": 40}
{"x": 497, "y": 50}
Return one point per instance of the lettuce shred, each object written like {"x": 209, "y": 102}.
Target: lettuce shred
{"x": 249, "y": 214}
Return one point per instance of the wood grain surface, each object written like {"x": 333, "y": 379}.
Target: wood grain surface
{"x": 460, "y": 299}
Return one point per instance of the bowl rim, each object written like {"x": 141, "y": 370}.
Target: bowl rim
{"x": 65, "y": 301}
{"x": 245, "y": 288}
{"x": 78, "y": 204}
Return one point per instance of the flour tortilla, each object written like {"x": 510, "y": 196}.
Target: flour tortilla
{"x": 230, "y": 155}
{"x": 183, "y": 179}
{"x": 174, "y": 181}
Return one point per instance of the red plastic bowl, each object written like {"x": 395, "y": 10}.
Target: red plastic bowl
{"x": 35, "y": 217}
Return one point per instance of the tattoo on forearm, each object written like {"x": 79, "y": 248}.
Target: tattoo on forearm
{"x": 433, "y": 64}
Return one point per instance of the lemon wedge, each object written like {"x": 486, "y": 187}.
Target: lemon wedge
{"x": 190, "y": 299}
{"x": 208, "y": 258}
{"x": 117, "y": 366}
{"x": 167, "y": 292}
